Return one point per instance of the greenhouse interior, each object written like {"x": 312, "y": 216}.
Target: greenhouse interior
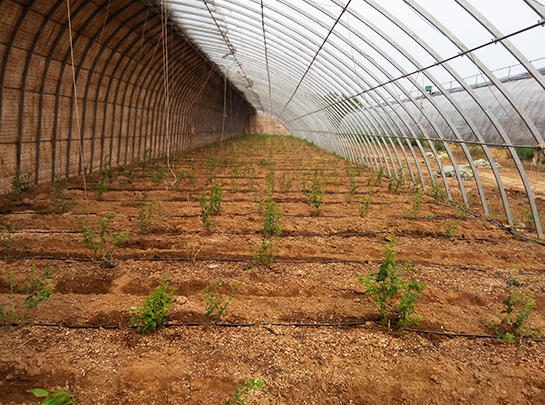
{"x": 272, "y": 202}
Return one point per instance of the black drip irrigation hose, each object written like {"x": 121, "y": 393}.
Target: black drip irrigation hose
{"x": 503, "y": 227}
{"x": 249, "y": 260}
{"x": 267, "y": 326}
{"x": 286, "y": 234}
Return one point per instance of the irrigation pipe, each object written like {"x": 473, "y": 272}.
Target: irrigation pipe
{"x": 249, "y": 260}
{"x": 267, "y": 325}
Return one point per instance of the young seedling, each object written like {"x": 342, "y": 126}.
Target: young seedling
{"x": 101, "y": 185}
{"x": 192, "y": 250}
{"x": 437, "y": 193}
{"x": 417, "y": 204}
{"x": 215, "y": 308}
{"x": 450, "y": 227}
{"x": 154, "y": 311}
{"x": 9, "y": 241}
{"x": 235, "y": 173}
{"x": 285, "y": 182}
{"x": 315, "y": 195}
{"x": 210, "y": 206}
{"x": 265, "y": 253}
{"x": 20, "y": 185}
{"x": 351, "y": 172}
{"x": 148, "y": 212}
{"x": 36, "y": 288}
{"x": 396, "y": 182}
{"x": 179, "y": 177}
{"x": 58, "y": 199}
{"x": 54, "y": 398}
{"x": 192, "y": 177}
{"x": 103, "y": 243}
{"x": 242, "y": 391}
{"x": 513, "y": 322}
{"x": 158, "y": 175}
{"x": 105, "y": 178}
{"x": 363, "y": 207}
{"x": 394, "y": 296}
{"x": 376, "y": 177}
{"x": 146, "y": 159}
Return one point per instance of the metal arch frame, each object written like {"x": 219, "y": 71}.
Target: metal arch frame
{"x": 80, "y": 68}
{"x": 5, "y": 60}
{"x": 432, "y": 102}
{"x": 479, "y": 189}
{"x": 26, "y": 69}
{"x": 255, "y": 37}
{"x": 378, "y": 103}
{"x": 396, "y": 98}
{"x": 126, "y": 78}
{"x": 494, "y": 120}
{"x": 240, "y": 5}
{"x": 408, "y": 127}
{"x": 411, "y": 98}
{"x": 205, "y": 35}
{"x": 448, "y": 151}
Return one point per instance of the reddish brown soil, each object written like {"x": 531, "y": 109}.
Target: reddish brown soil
{"x": 314, "y": 280}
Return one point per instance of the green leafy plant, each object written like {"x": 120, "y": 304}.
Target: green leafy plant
{"x": 475, "y": 150}
{"x": 285, "y": 182}
{"x": 450, "y": 227}
{"x": 242, "y": 391}
{"x": 180, "y": 175}
{"x": 394, "y": 295}
{"x": 315, "y": 195}
{"x": 102, "y": 184}
{"x": 210, "y": 206}
{"x": 20, "y": 184}
{"x": 154, "y": 311}
{"x": 513, "y": 321}
{"x": 58, "y": 199}
{"x": 215, "y": 308}
{"x": 146, "y": 159}
{"x": 105, "y": 178}
{"x": 192, "y": 250}
{"x": 148, "y": 212}
{"x": 416, "y": 206}
{"x": 533, "y": 155}
{"x": 192, "y": 177}
{"x": 352, "y": 188}
{"x": 439, "y": 146}
{"x": 103, "y": 243}
{"x": 157, "y": 176}
{"x": 265, "y": 253}
{"x": 235, "y": 173}
{"x": 376, "y": 177}
{"x": 270, "y": 180}
{"x": 9, "y": 241}
{"x": 36, "y": 288}
{"x": 437, "y": 193}
{"x": 364, "y": 205}
{"x": 396, "y": 182}
{"x": 54, "y": 398}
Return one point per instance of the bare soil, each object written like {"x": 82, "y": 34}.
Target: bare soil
{"x": 307, "y": 327}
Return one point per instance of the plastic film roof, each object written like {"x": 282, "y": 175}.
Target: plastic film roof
{"x": 343, "y": 74}
{"x": 295, "y": 59}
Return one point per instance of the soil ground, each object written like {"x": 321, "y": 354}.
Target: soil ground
{"x": 308, "y": 329}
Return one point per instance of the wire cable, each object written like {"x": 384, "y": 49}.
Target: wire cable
{"x": 314, "y": 59}
{"x": 266, "y": 54}
{"x": 78, "y": 130}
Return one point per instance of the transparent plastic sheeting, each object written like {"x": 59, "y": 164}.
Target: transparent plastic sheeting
{"x": 341, "y": 73}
